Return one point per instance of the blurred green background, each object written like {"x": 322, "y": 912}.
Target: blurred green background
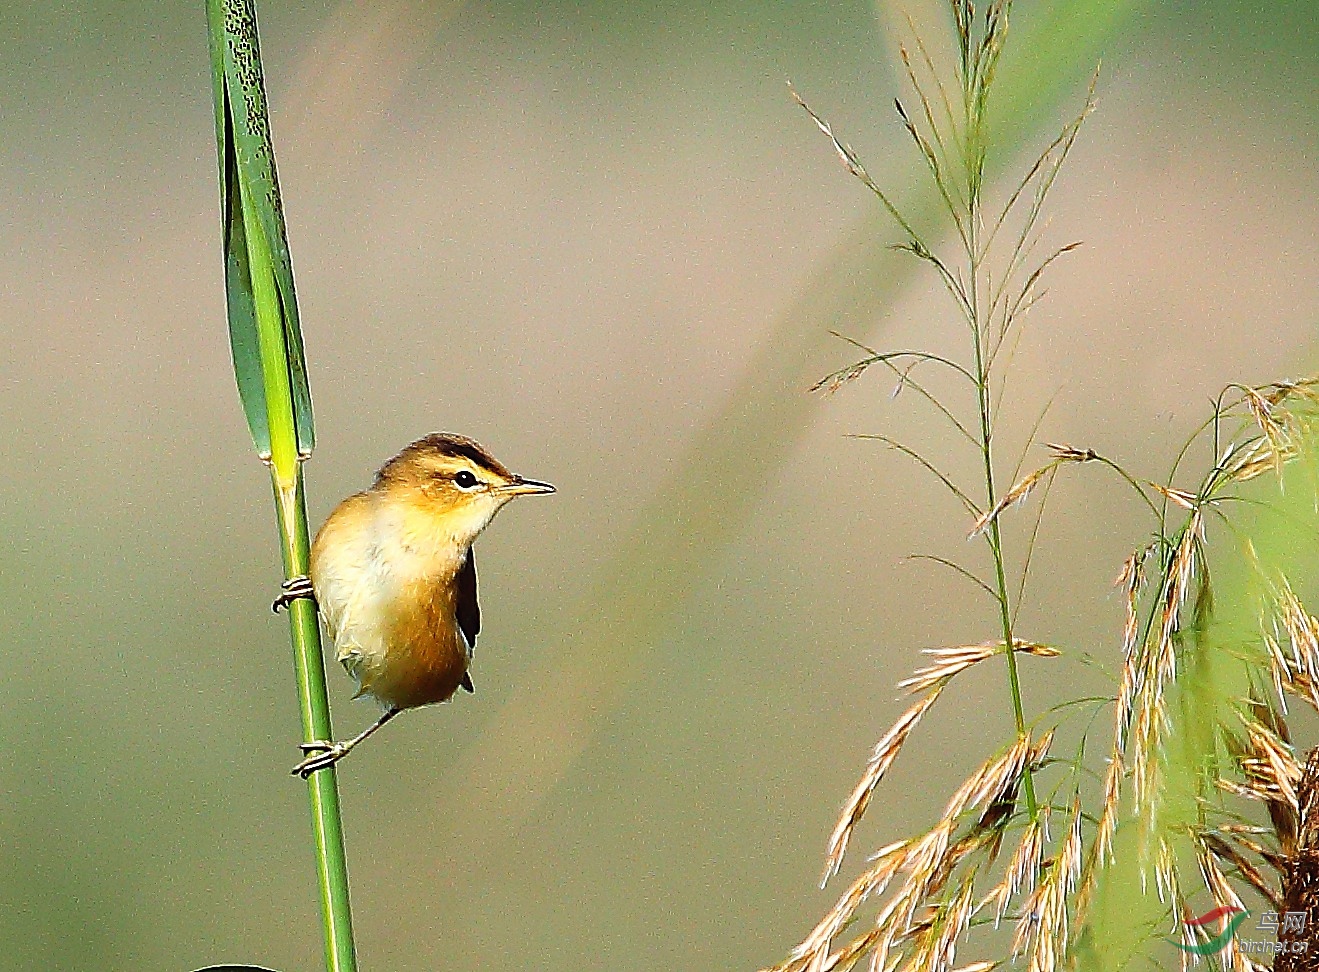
{"x": 601, "y": 239}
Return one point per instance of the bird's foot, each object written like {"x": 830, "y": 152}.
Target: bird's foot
{"x": 293, "y": 589}
{"x": 320, "y": 755}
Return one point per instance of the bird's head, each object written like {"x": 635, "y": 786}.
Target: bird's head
{"x": 453, "y": 481}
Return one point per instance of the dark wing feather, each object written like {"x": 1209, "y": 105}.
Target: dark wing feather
{"x": 469, "y": 609}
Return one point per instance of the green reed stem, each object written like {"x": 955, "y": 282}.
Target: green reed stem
{"x": 313, "y": 705}
{"x": 309, "y": 666}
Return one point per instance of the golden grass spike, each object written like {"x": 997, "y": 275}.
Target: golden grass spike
{"x": 993, "y": 779}
{"x": 947, "y": 663}
{"x": 1107, "y": 825}
{"x": 1132, "y": 683}
{"x": 1190, "y": 934}
{"x": 813, "y": 952}
{"x": 1220, "y": 889}
{"x": 1224, "y": 851}
{"x": 1302, "y": 629}
{"x": 1035, "y": 648}
{"x": 1274, "y": 762}
{"x": 832, "y": 382}
{"x": 1179, "y": 497}
{"x": 1044, "y": 916}
{"x": 1275, "y": 857}
{"x": 1275, "y": 433}
{"x": 957, "y": 917}
{"x": 924, "y": 862}
{"x": 847, "y": 956}
{"x": 1131, "y": 580}
{"x": 886, "y": 751}
{"x": 1017, "y": 494}
{"x": 1043, "y": 922}
{"x": 951, "y": 661}
{"x": 1161, "y": 664}
{"x": 1070, "y": 855}
{"x": 1257, "y": 458}
{"x": 1040, "y": 750}
{"x": 1023, "y": 871}
{"x": 1250, "y": 789}
{"x": 1279, "y": 670}
{"x": 1165, "y": 872}
{"x": 1150, "y": 724}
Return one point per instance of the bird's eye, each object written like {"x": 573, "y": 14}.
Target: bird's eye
{"x": 465, "y": 480}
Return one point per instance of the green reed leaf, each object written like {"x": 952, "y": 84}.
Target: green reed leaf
{"x": 247, "y": 175}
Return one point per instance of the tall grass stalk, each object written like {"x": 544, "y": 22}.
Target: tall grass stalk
{"x": 1199, "y": 706}
{"x": 268, "y": 361}
{"x": 954, "y": 146}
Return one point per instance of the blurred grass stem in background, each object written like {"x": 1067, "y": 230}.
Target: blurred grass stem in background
{"x": 268, "y": 361}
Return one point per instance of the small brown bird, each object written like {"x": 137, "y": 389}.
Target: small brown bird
{"x": 393, "y": 572}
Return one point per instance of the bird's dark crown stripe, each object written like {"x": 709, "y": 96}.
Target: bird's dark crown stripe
{"x": 467, "y": 449}
{"x": 448, "y": 445}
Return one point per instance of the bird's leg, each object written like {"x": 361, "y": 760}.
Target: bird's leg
{"x": 294, "y": 589}
{"x": 325, "y": 754}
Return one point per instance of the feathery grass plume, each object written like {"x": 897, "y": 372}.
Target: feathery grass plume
{"x": 1176, "y": 621}
{"x": 1183, "y": 745}
{"x": 919, "y": 924}
{"x": 954, "y": 152}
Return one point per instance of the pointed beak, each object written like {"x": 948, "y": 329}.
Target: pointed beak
{"x": 525, "y": 487}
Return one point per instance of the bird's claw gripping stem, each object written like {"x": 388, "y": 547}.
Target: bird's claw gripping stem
{"x": 320, "y": 755}
{"x": 293, "y": 589}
